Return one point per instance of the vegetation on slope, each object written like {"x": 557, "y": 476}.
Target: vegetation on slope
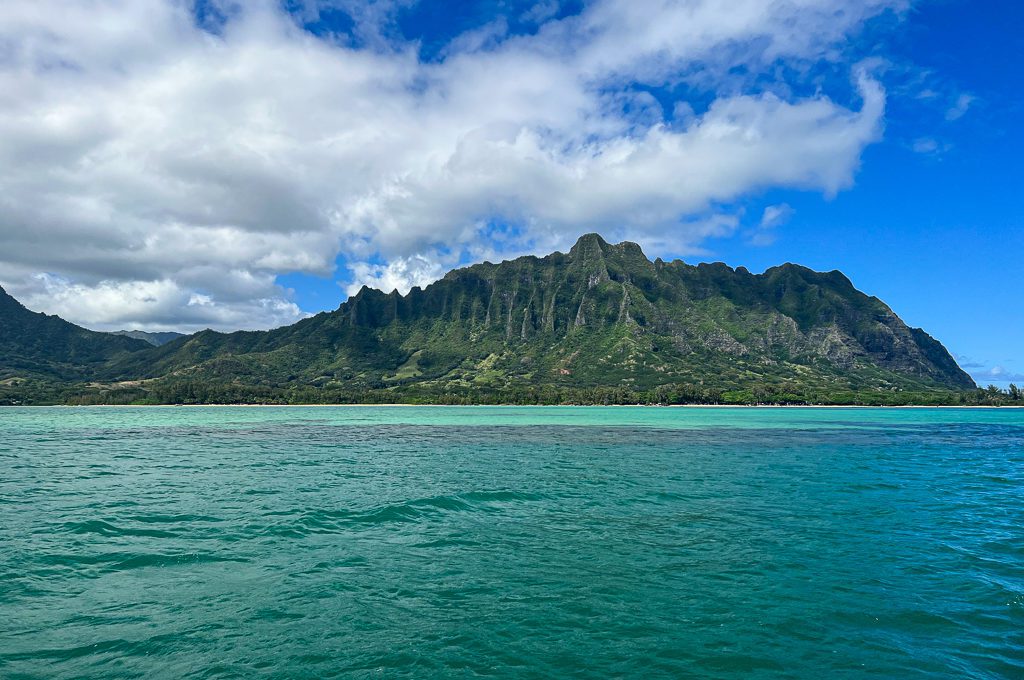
{"x": 600, "y": 324}
{"x": 155, "y": 339}
{"x": 34, "y": 345}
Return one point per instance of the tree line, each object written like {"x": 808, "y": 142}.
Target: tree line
{"x": 192, "y": 391}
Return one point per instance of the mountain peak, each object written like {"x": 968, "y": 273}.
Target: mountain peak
{"x": 8, "y": 301}
{"x": 593, "y": 246}
{"x": 589, "y": 245}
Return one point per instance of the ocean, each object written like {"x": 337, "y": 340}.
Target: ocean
{"x": 511, "y": 542}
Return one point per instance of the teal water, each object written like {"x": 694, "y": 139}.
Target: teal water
{"x": 511, "y": 542}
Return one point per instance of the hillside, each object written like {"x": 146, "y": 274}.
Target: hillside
{"x": 41, "y": 346}
{"x": 600, "y": 315}
{"x": 155, "y": 339}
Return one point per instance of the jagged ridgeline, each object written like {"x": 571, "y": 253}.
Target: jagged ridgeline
{"x": 600, "y": 315}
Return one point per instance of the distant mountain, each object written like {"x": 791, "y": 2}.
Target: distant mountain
{"x": 600, "y": 315}
{"x": 38, "y": 345}
{"x": 155, "y": 339}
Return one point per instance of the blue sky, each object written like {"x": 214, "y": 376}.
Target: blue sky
{"x": 937, "y": 234}
{"x": 239, "y": 165}
{"x": 934, "y": 224}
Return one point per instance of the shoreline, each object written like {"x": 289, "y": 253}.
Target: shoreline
{"x": 689, "y": 406}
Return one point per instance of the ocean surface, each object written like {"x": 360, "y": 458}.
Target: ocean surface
{"x": 519, "y": 542}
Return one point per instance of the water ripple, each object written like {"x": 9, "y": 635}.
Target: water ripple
{"x": 750, "y": 543}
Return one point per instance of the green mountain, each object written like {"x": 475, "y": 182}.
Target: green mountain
{"x": 48, "y": 347}
{"x": 155, "y": 339}
{"x": 598, "y": 317}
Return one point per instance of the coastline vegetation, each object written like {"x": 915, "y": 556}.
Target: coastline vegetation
{"x": 196, "y": 392}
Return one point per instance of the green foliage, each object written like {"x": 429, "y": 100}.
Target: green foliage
{"x": 189, "y": 392}
{"x": 41, "y": 346}
{"x": 600, "y": 324}
{"x": 155, "y": 339}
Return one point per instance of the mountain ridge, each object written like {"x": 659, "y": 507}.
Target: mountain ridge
{"x": 155, "y": 338}
{"x": 600, "y": 317}
{"x": 47, "y": 346}
{"x": 549, "y": 312}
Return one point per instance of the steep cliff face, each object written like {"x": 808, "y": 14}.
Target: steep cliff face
{"x": 600, "y": 314}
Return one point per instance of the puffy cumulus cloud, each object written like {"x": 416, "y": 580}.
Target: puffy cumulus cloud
{"x": 401, "y": 273}
{"x": 156, "y": 305}
{"x": 166, "y": 174}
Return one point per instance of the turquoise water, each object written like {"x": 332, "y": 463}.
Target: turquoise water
{"x": 511, "y": 542}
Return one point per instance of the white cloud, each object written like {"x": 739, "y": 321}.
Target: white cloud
{"x": 925, "y": 145}
{"x": 966, "y": 362}
{"x": 773, "y": 217}
{"x": 959, "y": 108}
{"x": 156, "y": 305}
{"x": 401, "y": 273}
{"x": 149, "y": 163}
{"x": 542, "y": 11}
{"x": 997, "y": 375}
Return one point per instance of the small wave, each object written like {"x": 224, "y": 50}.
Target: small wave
{"x": 122, "y": 561}
{"x": 104, "y": 528}
{"x": 447, "y": 543}
{"x": 872, "y": 486}
{"x": 739, "y": 663}
{"x": 183, "y": 518}
{"x": 158, "y": 560}
{"x": 921, "y": 619}
{"x": 999, "y": 479}
{"x": 67, "y": 653}
{"x": 502, "y": 496}
{"x": 314, "y": 521}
